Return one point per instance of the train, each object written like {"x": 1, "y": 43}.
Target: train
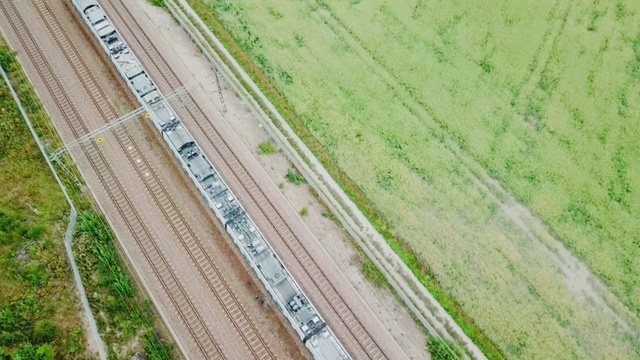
{"x": 285, "y": 292}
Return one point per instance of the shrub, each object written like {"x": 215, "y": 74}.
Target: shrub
{"x": 304, "y": 211}
{"x": 441, "y": 349}
{"x": 374, "y": 274}
{"x": 36, "y": 275}
{"x": 45, "y": 332}
{"x": 267, "y": 147}
{"x": 35, "y": 232}
{"x": 26, "y": 351}
{"x": 295, "y": 178}
{"x": 14, "y": 328}
{"x": 46, "y": 352}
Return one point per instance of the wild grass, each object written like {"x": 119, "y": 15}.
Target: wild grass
{"x": 40, "y": 120}
{"x": 374, "y": 275}
{"x": 37, "y": 300}
{"x": 267, "y": 147}
{"x": 541, "y": 96}
{"x": 126, "y": 317}
{"x": 440, "y": 349}
{"x": 294, "y": 177}
{"x": 157, "y": 2}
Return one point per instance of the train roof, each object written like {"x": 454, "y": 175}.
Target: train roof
{"x": 84, "y": 4}
{"x": 142, "y": 84}
{"x": 179, "y": 137}
{"x": 95, "y": 14}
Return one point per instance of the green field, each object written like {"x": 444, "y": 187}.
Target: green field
{"x": 426, "y": 107}
{"x": 39, "y": 317}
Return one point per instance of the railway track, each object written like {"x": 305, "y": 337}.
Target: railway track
{"x": 346, "y": 315}
{"x": 110, "y": 182}
{"x": 159, "y": 264}
{"x": 108, "y": 179}
{"x": 207, "y": 268}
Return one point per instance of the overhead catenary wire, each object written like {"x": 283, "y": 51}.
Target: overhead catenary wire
{"x": 133, "y": 115}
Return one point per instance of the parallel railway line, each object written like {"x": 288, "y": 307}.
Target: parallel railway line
{"x": 189, "y": 240}
{"x": 276, "y": 219}
{"x": 160, "y": 265}
{"x": 109, "y": 181}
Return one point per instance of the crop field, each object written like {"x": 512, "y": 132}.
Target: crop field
{"x": 498, "y": 139}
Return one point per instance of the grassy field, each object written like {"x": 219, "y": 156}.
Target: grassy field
{"x": 39, "y": 315}
{"x": 424, "y": 105}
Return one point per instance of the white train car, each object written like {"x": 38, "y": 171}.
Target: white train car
{"x": 286, "y": 293}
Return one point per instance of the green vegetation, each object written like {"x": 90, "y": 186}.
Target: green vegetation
{"x": 157, "y": 2}
{"x": 267, "y": 147}
{"x": 295, "y": 178}
{"x": 417, "y": 108}
{"x": 127, "y": 316}
{"x": 304, "y": 211}
{"x": 374, "y": 274}
{"x": 38, "y": 314}
{"x": 440, "y": 349}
